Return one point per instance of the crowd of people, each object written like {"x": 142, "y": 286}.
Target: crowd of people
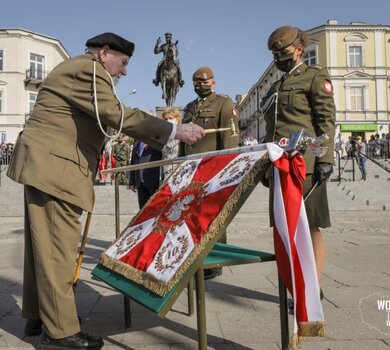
{"x": 377, "y": 146}
{"x": 6, "y": 150}
{"x": 358, "y": 148}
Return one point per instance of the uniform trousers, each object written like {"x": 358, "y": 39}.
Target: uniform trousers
{"x": 144, "y": 194}
{"x": 52, "y": 233}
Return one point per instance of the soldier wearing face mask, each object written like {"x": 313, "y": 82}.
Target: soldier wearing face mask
{"x": 302, "y": 99}
{"x": 211, "y": 111}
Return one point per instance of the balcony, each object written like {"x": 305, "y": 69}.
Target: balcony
{"x": 34, "y": 77}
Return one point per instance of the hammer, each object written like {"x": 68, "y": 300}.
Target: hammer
{"x": 231, "y": 128}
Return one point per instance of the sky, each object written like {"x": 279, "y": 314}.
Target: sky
{"x": 230, "y": 36}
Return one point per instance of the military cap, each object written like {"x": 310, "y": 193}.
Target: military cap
{"x": 114, "y": 41}
{"x": 203, "y": 73}
{"x": 282, "y": 38}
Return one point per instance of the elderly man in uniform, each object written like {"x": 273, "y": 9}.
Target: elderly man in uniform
{"x": 56, "y": 158}
{"x": 210, "y": 111}
{"x": 303, "y": 99}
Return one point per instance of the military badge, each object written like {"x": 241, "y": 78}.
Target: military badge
{"x": 328, "y": 86}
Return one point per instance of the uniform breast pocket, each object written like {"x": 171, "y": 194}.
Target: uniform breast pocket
{"x": 294, "y": 97}
{"x": 207, "y": 120}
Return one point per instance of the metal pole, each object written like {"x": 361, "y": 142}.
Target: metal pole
{"x": 260, "y": 147}
{"x": 201, "y": 309}
{"x": 284, "y": 331}
{"x": 127, "y": 311}
{"x": 190, "y": 297}
{"x": 298, "y": 142}
{"x": 339, "y": 164}
{"x": 117, "y": 212}
{"x": 126, "y": 299}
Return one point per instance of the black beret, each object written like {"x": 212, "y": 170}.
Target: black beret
{"x": 282, "y": 38}
{"x": 114, "y": 41}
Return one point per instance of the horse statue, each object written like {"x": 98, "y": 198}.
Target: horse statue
{"x": 169, "y": 81}
{"x": 168, "y": 72}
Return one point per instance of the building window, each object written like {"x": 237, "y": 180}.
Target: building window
{"x": 32, "y": 100}
{"x": 355, "y": 55}
{"x": 36, "y": 66}
{"x": 357, "y": 100}
{"x": 310, "y": 57}
{"x": 1, "y": 60}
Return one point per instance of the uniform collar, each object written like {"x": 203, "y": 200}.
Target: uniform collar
{"x": 295, "y": 68}
{"x": 208, "y": 98}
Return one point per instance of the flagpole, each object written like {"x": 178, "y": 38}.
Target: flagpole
{"x": 298, "y": 142}
{"x": 157, "y": 163}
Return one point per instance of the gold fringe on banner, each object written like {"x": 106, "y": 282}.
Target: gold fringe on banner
{"x": 306, "y": 329}
{"x": 160, "y": 288}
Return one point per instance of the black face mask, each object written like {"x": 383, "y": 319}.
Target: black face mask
{"x": 203, "y": 90}
{"x": 285, "y": 63}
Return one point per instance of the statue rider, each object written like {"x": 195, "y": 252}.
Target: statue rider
{"x": 170, "y": 51}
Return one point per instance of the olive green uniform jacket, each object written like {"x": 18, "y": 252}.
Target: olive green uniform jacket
{"x": 304, "y": 101}
{"x": 59, "y": 148}
{"x": 214, "y": 112}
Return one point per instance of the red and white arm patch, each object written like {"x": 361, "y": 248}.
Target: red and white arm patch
{"x": 328, "y": 86}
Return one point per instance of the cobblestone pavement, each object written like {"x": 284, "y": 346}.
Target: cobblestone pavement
{"x": 242, "y": 304}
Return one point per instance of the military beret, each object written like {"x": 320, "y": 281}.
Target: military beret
{"x": 114, "y": 41}
{"x": 282, "y": 38}
{"x": 203, "y": 73}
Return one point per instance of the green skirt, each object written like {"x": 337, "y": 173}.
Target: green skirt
{"x": 316, "y": 204}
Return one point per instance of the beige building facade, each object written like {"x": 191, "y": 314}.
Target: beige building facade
{"x": 357, "y": 56}
{"x": 25, "y": 60}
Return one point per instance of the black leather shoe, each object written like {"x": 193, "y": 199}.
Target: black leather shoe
{"x": 33, "y": 327}
{"x": 79, "y": 340}
{"x": 212, "y": 273}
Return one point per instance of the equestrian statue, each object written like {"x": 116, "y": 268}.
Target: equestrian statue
{"x": 168, "y": 72}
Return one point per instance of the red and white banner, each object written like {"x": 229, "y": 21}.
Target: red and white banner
{"x": 163, "y": 240}
{"x": 293, "y": 244}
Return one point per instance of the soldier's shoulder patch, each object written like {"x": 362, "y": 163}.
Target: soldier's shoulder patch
{"x": 315, "y": 66}
{"x": 328, "y": 86}
{"x": 221, "y": 95}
